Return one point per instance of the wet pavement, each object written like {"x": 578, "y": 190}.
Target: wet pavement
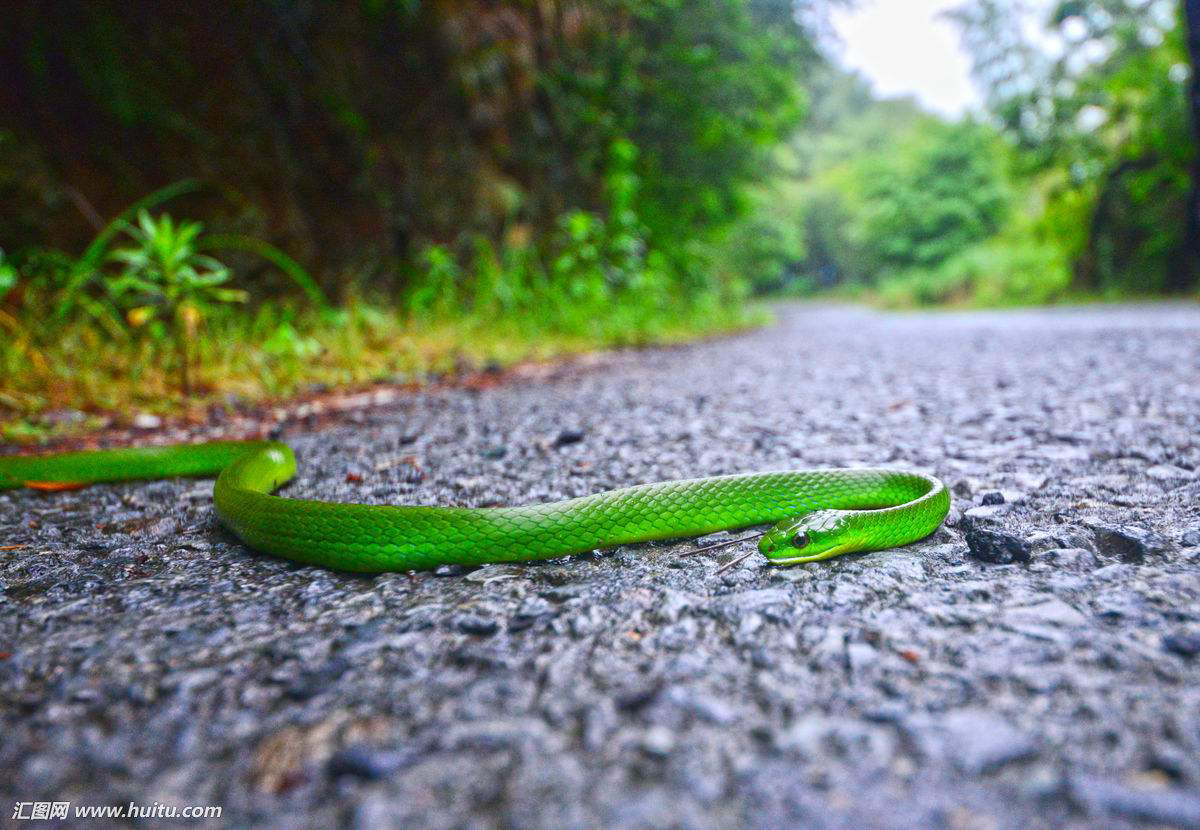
{"x": 1036, "y": 663}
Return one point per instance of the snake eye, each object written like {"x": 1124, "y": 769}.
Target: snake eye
{"x": 800, "y": 540}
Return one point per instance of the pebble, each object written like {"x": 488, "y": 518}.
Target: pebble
{"x": 861, "y": 657}
{"x": 567, "y": 437}
{"x": 745, "y": 601}
{"x": 1052, "y": 611}
{"x": 144, "y": 420}
{"x": 1184, "y": 643}
{"x": 982, "y": 742}
{"x": 1129, "y": 544}
{"x": 532, "y": 611}
{"x": 496, "y": 573}
{"x": 475, "y": 624}
{"x": 657, "y": 741}
{"x": 1169, "y": 474}
{"x": 989, "y": 511}
{"x": 899, "y": 565}
{"x": 1078, "y": 558}
{"x": 996, "y": 547}
{"x": 363, "y": 762}
{"x": 1102, "y": 798}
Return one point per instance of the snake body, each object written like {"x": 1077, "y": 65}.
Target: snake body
{"x": 817, "y": 513}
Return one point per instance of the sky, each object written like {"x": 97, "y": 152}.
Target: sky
{"x": 904, "y": 48}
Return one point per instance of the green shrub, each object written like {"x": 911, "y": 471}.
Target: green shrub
{"x": 1012, "y": 269}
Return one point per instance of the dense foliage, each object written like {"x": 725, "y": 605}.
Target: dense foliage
{"x": 1078, "y": 182}
{"x": 566, "y": 170}
{"x": 1103, "y": 127}
{"x": 355, "y": 135}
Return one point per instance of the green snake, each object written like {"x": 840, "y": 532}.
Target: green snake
{"x": 817, "y": 514}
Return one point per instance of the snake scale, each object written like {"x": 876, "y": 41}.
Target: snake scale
{"x": 817, "y": 514}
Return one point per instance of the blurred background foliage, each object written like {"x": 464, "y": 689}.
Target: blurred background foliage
{"x": 1078, "y": 181}
{"x": 378, "y": 189}
{"x": 354, "y": 135}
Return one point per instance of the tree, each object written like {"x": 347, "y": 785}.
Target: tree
{"x": 357, "y": 134}
{"x": 1185, "y": 270}
{"x": 895, "y": 189}
{"x": 1103, "y": 129}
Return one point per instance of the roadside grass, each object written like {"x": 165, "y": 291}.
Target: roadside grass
{"x": 148, "y": 321}
{"x": 72, "y": 378}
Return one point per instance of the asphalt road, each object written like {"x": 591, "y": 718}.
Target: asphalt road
{"x": 1045, "y": 674}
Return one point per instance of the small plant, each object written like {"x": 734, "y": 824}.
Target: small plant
{"x": 8, "y": 276}
{"x": 73, "y": 276}
{"x": 164, "y": 278}
{"x": 437, "y": 294}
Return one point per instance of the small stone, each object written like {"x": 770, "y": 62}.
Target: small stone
{"x": 496, "y": 573}
{"x": 1190, "y": 538}
{"x": 568, "y": 436}
{"x": 63, "y": 417}
{"x": 1169, "y": 474}
{"x": 963, "y": 488}
{"x": 475, "y": 624}
{"x": 1030, "y": 481}
{"x": 531, "y": 611}
{"x": 896, "y": 564}
{"x": 144, "y": 420}
{"x": 492, "y": 734}
{"x": 954, "y": 516}
{"x": 1129, "y": 544}
{"x": 163, "y": 527}
{"x": 989, "y": 511}
{"x": 1071, "y": 557}
{"x": 449, "y": 570}
{"x": 1052, "y": 612}
{"x": 1183, "y": 643}
{"x": 861, "y": 657}
{"x": 317, "y": 680}
{"x": 1164, "y": 807}
{"x": 657, "y": 741}
{"x": 761, "y": 658}
{"x": 562, "y": 593}
{"x": 637, "y": 696}
{"x": 980, "y": 742}
{"x": 362, "y": 762}
{"x": 996, "y": 547}
{"x": 1043, "y": 782}
{"x": 704, "y": 706}
{"x": 744, "y": 601}
{"x": 993, "y": 498}
{"x": 585, "y": 623}
{"x": 495, "y": 453}
{"x": 673, "y": 604}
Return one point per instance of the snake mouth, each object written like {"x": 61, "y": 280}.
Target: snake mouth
{"x": 836, "y": 550}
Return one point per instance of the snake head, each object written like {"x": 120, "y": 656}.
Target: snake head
{"x": 819, "y": 535}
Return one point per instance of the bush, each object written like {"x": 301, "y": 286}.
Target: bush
{"x": 1012, "y": 269}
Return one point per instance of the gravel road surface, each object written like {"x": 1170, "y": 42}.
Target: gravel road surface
{"x": 1036, "y": 663}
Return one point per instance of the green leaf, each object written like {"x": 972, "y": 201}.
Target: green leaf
{"x": 87, "y": 266}
{"x": 289, "y": 266}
